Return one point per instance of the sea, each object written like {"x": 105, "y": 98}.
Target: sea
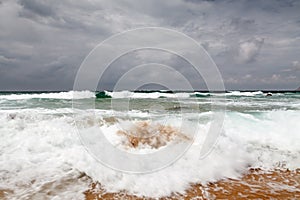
{"x": 43, "y": 156}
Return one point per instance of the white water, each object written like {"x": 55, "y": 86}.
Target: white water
{"x": 54, "y": 95}
{"x": 38, "y": 147}
{"x": 115, "y": 94}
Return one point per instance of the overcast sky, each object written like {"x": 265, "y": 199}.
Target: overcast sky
{"x": 255, "y": 44}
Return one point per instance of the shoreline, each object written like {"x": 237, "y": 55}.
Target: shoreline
{"x": 256, "y": 183}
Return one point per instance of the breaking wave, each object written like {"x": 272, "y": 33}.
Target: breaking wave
{"x": 50, "y": 95}
{"x": 41, "y": 149}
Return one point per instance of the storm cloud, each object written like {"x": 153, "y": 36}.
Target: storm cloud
{"x": 255, "y": 44}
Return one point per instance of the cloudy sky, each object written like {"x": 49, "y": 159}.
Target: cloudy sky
{"x": 255, "y": 44}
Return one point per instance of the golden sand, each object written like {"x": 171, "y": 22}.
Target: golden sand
{"x": 4, "y": 193}
{"x": 256, "y": 184}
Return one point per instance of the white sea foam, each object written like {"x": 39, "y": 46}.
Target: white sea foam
{"x": 45, "y": 147}
{"x": 239, "y": 93}
{"x": 127, "y": 94}
{"x": 141, "y": 95}
{"x": 54, "y": 95}
{"x": 155, "y": 95}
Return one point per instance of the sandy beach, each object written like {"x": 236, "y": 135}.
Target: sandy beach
{"x": 256, "y": 184}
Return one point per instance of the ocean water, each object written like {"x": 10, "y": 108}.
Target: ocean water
{"x": 42, "y": 155}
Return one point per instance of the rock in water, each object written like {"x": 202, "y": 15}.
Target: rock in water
{"x": 269, "y": 94}
{"x": 102, "y": 95}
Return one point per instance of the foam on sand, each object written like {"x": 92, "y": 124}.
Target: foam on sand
{"x": 154, "y": 135}
{"x": 254, "y": 184}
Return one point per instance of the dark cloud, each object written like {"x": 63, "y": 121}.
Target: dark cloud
{"x": 39, "y": 7}
{"x": 254, "y": 43}
{"x": 141, "y": 58}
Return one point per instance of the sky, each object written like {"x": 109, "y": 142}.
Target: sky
{"x": 255, "y": 44}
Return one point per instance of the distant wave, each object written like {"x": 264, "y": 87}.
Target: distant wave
{"x": 155, "y": 94}
{"x": 52, "y": 95}
{"x": 239, "y": 93}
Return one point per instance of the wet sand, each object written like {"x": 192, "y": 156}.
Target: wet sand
{"x": 256, "y": 184}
